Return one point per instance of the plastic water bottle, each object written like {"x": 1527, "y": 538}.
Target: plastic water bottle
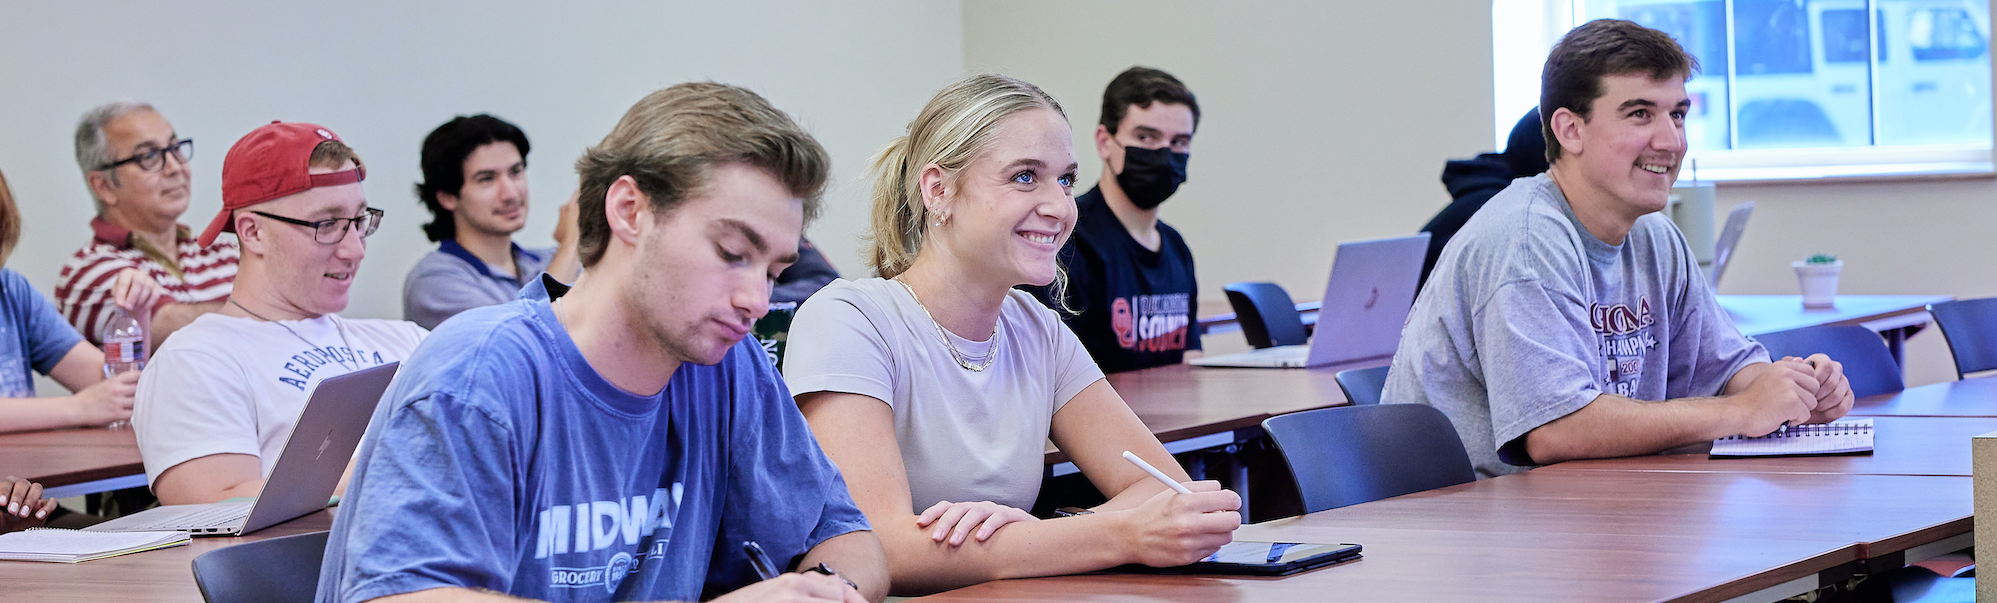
{"x": 124, "y": 344}
{"x": 124, "y": 348}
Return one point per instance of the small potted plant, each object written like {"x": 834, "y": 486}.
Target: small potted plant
{"x": 1818, "y": 277}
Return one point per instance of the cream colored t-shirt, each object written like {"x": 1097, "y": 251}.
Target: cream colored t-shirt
{"x": 965, "y": 435}
{"x": 230, "y": 385}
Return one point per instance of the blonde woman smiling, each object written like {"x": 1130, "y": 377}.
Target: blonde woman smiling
{"x": 935, "y": 387}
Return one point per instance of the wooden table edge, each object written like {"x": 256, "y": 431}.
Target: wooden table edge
{"x": 1056, "y": 457}
{"x": 1560, "y": 469}
{"x": 1931, "y": 534}
{"x": 1773, "y": 576}
{"x": 88, "y": 475}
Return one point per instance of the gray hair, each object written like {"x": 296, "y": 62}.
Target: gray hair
{"x": 91, "y": 153}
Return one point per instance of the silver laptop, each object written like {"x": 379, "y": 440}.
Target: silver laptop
{"x": 302, "y": 481}
{"x": 1723, "y": 249}
{"x": 1366, "y": 303}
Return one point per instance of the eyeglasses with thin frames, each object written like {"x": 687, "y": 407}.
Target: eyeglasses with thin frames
{"x": 330, "y": 231}
{"x": 153, "y": 158}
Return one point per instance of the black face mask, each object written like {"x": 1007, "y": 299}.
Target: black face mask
{"x": 1151, "y": 175}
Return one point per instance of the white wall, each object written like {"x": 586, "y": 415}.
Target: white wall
{"x": 383, "y": 74}
{"x": 1330, "y": 121}
{"x": 1322, "y": 121}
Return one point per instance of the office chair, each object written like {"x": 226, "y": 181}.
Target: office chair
{"x": 1363, "y": 386}
{"x": 1867, "y": 363}
{"x": 1347, "y": 455}
{"x": 1970, "y": 327}
{"x": 1267, "y": 315}
{"x": 275, "y": 570}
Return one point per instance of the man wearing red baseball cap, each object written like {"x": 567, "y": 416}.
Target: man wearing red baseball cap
{"x": 215, "y": 405}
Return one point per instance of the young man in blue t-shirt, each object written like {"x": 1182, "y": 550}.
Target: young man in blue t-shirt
{"x": 1130, "y": 276}
{"x": 618, "y": 440}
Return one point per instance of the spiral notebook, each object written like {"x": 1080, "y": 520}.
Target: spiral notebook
{"x": 72, "y": 546}
{"x": 1850, "y": 436}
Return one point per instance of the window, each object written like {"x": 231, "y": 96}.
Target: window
{"x": 1795, "y": 88}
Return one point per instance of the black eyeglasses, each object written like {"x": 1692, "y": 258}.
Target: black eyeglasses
{"x": 152, "y": 159}
{"x": 328, "y": 232}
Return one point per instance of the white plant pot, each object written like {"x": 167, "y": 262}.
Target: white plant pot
{"x": 1819, "y": 282}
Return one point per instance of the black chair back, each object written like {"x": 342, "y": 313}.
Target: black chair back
{"x": 1363, "y": 386}
{"x": 1867, "y": 363}
{"x": 1970, "y": 326}
{"x": 275, "y": 570}
{"x": 1348, "y": 455}
{"x": 1267, "y": 315}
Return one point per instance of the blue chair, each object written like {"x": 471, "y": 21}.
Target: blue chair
{"x": 1363, "y": 386}
{"x": 275, "y": 570}
{"x": 1266, "y": 314}
{"x": 1347, "y": 455}
{"x": 1970, "y": 326}
{"x": 1867, "y": 363}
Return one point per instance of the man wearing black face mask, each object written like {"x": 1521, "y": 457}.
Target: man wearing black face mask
{"x": 1130, "y": 276}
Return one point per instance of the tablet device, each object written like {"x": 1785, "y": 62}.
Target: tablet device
{"x": 1247, "y": 557}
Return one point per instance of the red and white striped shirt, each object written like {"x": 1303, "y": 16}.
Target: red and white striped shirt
{"x": 83, "y": 290}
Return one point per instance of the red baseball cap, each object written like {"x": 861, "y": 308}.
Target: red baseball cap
{"x": 270, "y": 162}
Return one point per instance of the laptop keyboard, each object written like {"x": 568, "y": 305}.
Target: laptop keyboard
{"x": 219, "y": 515}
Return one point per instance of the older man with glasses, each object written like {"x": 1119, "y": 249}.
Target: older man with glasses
{"x": 135, "y": 165}
{"x": 214, "y": 407}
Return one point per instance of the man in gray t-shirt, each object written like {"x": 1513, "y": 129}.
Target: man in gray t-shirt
{"x": 1568, "y": 319}
{"x": 475, "y": 185}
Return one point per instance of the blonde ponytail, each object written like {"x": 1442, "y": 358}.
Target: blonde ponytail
{"x": 898, "y": 211}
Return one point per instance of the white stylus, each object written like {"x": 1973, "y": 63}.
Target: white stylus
{"x": 1128, "y": 456}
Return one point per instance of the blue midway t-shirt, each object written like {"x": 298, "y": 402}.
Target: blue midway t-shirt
{"x": 33, "y": 336}
{"x": 500, "y": 460}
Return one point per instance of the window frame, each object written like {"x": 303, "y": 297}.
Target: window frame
{"x": 1522, "y": 29}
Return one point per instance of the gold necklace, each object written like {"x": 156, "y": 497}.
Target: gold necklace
{"x": 962, "y": 360}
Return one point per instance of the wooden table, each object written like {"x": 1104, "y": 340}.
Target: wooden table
{"x": 1901, "y": 446}
{"x": 72, "y": 462}
{"x": 1182, "y": 403}
{"x": 1199, "y": 408}
{"x": 1975, "y": 397}
{"x": 153, "y": 576}
{"x": 1575, "y": 536}
{"x": 1663, "y": 528}
{"x": 1887, "y": 512}
{"x": 1434, "y": 565}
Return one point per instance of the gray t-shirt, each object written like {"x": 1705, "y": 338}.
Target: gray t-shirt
{"x": 1529, "y": 317}
{"x": 451, "y": 280}
{"x": 965, "y": 435}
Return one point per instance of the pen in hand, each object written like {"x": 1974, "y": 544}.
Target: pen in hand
{"x": 766, "y": 569}
{"x": 1174, "y": 484}
{"x": 758, "y": 559}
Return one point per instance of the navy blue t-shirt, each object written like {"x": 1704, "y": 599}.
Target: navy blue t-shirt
{"x": 500, "y": 460}
{"x": 32, "y": 335}
{"x": 1136, "y": 306}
